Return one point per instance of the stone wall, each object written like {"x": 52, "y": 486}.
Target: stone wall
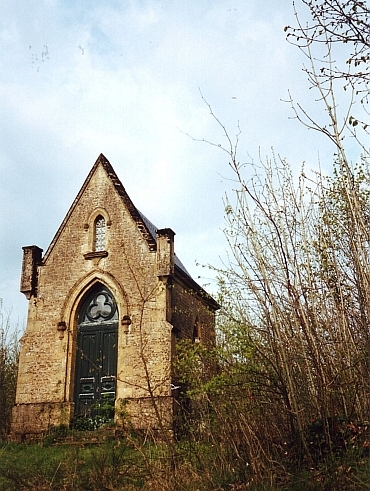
{"x": 32, "y": 419}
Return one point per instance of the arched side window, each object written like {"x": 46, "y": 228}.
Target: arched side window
{"x": 99, "y": 238}
{"x": 196, "y": 332}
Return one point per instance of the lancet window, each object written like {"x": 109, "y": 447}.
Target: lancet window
{"x": 100, "y": 229}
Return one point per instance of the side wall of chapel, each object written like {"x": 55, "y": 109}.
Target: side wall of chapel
{"x": 192, "y": 316}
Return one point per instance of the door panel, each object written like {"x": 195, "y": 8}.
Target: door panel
{"x": 88, "y": 351}
{"x": 96, "y": 368}
{"x": 109, "y": 352}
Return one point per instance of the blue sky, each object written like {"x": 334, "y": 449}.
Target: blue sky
{"x": 122, "y": 78}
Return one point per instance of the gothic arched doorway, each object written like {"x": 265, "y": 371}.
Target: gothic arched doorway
{"x": 96, "y": 357}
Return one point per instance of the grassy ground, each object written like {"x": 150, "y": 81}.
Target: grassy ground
{"x": 71, "y": 467}
{"x": 74, "y": 462}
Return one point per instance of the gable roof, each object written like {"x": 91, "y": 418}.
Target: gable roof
{"x": 142, "y": 226}
{"x": 145, "y": 226}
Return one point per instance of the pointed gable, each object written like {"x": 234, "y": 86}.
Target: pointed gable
{"x": 145, "y": 227}
{"x": 141, "y": 221}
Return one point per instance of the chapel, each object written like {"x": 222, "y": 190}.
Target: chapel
{"x": 108, "y": 302}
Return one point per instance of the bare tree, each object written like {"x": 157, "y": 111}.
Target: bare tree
{"x": 295, "y": 342}
{"x": 337, "y": 22}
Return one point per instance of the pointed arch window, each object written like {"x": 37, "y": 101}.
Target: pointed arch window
{"x": 100, "y": 229}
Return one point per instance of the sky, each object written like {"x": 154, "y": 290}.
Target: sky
{"x": 129, "y": 79}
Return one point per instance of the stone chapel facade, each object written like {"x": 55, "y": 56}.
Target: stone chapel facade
{"x": 107, "y": 303}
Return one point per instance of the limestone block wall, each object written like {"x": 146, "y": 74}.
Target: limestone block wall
{"x": 154, "y": 413}
{"x": 145, "y": 361}
{"x": 31, "y": 419}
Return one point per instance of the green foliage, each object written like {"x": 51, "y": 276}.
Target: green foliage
{"x": 76, "y": 462}
{"x": 291, "y": 372}
{"x": 109, "y": 465}
{"x": 100, "y": 414}
{"x": 55, "y": 435}
{"x": 238, "y": 429}
{"x": 9, "y": 354}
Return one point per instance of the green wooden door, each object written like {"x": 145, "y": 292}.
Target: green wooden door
{"x": 96, "y": 360}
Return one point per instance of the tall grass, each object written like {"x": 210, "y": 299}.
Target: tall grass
{"x": 130, "y": 463}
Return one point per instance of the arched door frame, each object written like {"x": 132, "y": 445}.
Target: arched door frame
{"x": 97, "y": 351}
{"x": 70, "y": 313}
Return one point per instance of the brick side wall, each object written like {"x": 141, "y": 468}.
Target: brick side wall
{"x": 189, "y": 309}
